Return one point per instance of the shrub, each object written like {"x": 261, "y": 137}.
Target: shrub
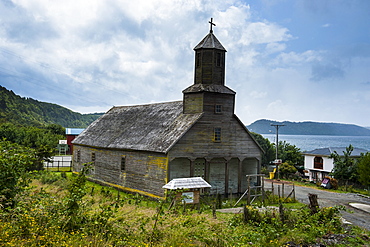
{"x": 286, "y": 170}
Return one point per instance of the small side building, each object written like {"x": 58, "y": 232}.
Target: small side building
{"x": 318, "y": 163}
{"x": 71, "y": 134}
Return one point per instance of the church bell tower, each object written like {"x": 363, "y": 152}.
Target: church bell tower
{"x": 209, "y": 78}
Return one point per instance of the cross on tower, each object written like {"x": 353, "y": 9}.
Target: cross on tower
{"x": 212, "y": 24}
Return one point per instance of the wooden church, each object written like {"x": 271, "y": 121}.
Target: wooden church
{"x": 141, "y": 148}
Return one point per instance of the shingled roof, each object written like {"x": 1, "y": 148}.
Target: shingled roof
{"x": 340, "y": 150}
{"x": 210, "y": 42}
{"x": 152, "y": 127}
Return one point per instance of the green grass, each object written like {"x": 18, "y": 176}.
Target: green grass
{"x": 58, "y": 169}
{"x": 105, "y": 217}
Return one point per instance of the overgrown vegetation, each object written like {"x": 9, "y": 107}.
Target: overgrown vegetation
{"x": 59, "y": 210}
{"x": 351, "y": 171}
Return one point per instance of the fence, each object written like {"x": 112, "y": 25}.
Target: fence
{"x": 282, "y": 189}
{"x": 59, "y": 164}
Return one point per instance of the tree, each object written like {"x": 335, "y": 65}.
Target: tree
{"x": 15, "y": 161}
{"x": 269, "y": 154}
{"x": 290, "y": 154}
{"x": 344, "y": 166}
{"x": 363, "y": 169}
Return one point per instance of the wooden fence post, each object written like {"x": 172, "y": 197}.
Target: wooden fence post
{"x": 314, "y": 205}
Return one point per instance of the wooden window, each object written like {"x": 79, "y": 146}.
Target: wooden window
{"x": 318, "y": 163}
{"x": 218, "y": 59}
{"x": 218, "y": 108}
{"x": 123, "y": 163}
{"x": 198, "y": 59}
{"x": 78, "y": 158}
{"x": 93, "y": 157}
{"x": 199, "y": 169}
{"x": 217, "y": 134}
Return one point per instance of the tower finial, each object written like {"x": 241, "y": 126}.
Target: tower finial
{"x": 211, "y": 24}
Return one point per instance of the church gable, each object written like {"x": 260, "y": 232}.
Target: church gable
{"x": 152, "y": 127}
{"x": 207, "y": 138}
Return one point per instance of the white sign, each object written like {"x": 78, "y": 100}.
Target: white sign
{"x": 188, "y": 197}
{"x": 278, "y": 161}
{"x": 62, "y": 141}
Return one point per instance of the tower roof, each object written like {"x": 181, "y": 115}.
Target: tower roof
{"x": 210, "y": 42}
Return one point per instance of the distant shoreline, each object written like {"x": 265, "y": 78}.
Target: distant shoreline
{"x": 264, "y": 126}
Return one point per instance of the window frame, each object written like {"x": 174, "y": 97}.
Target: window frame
{"x": 217, "y": 134}
{"x": 318, "y": 163}
{"x": 218, "y": 108}
{"x": 123, "y": 163}
{"x": 198, "y": 59}
{"x": 218, "y": 59}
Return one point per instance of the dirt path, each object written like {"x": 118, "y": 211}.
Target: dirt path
{"x": 327, "y": 198}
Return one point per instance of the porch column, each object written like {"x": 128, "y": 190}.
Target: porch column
{"x": 192, "y": 161}
{"x": 240, "y": 176}
{"x": 227, "y": 177}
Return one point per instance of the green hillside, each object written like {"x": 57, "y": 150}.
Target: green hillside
{"x": 29, "y": 112}
{"x": 263, "y": 126}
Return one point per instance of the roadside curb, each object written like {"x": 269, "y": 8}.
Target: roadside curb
{"x": 364, "y": 196}
{"x": 360, "y": 206}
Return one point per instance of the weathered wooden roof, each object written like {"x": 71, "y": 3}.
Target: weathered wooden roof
{"x": 187, "y": 183}
{"x": 210, "y": 42}
{"x": 152, "y": 127}
{"x": 208, "y": 88}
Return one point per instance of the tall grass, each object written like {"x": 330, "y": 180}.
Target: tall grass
{"x": 106, "y": 217}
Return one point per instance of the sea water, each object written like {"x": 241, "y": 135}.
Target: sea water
{"x": 311, "y": 142}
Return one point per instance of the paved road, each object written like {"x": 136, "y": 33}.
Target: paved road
{"x": 328, "y": 198}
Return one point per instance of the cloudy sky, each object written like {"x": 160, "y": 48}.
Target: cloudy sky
{"x": 295, "y": 60}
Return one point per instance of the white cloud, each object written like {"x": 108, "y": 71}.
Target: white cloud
{"x": 263, "y": 33}
{"x": 258, "y": 95}
{"x": 94, "y": 54}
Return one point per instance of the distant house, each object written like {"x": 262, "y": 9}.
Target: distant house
{"x": 319, "y": 164}
{"x": 71, "y": 134}
{"x": 141, "y": 148}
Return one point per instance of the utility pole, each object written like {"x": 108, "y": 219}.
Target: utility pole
{"x": 277, "y": 126}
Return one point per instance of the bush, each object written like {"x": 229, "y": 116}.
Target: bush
{"x": 286, "y": 170}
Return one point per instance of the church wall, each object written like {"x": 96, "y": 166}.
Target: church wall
{"x": 225, "y": 100}
{"x": 144, "y": 171}
{"x": 236, "y": 144}
{"x": 193, "y": 103}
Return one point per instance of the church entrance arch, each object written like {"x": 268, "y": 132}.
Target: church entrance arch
{"x": 217, "y": 175}
{"x": 249, "y": 167}
{"x": 179, "y": 168}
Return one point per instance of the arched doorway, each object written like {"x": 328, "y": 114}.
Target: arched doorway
{"x": 179, "y": 168}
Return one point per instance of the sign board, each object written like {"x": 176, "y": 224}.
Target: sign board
{"x": 62, "y": 141}
{"x": 278, "y": 161}
{"x": 188, "y": 197}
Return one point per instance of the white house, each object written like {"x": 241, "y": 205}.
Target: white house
{"x": 318, "y": 163}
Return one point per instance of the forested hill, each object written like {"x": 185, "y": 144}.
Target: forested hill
{"x": 308, "y": 128}
{"x": 30, "y": 112}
